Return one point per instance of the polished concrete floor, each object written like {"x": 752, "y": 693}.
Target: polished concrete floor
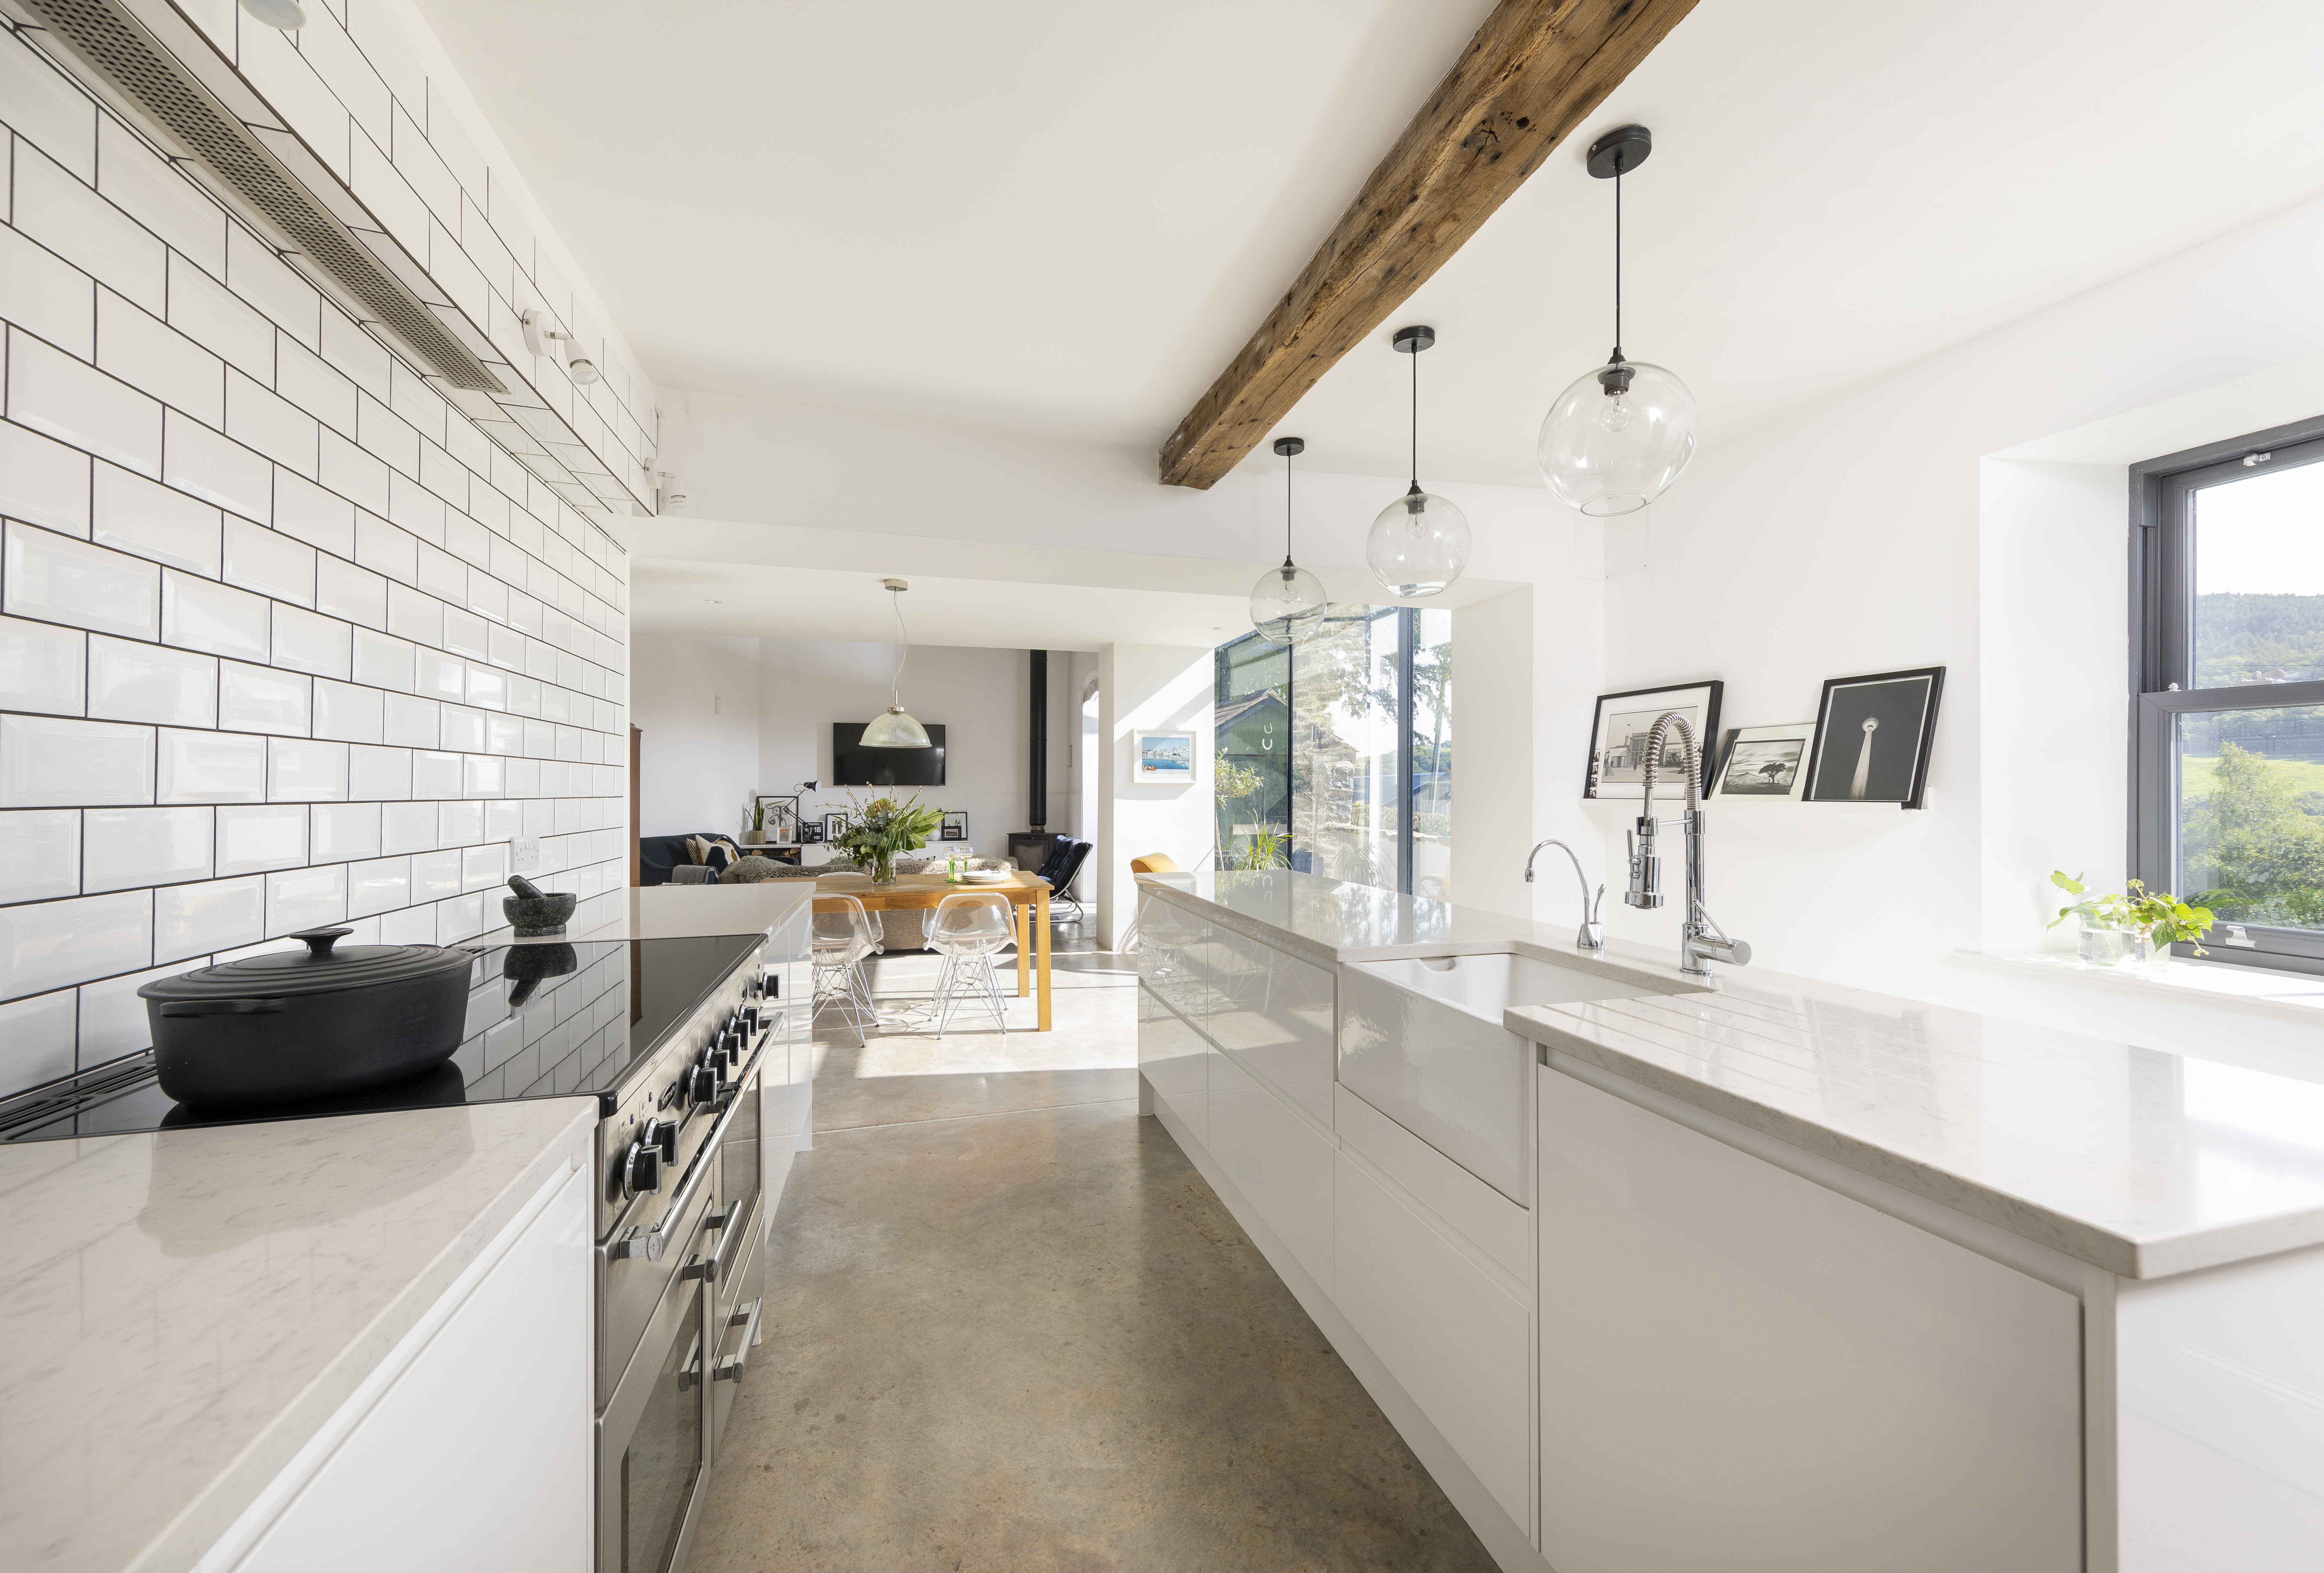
{"x": 1010, "y": 1327}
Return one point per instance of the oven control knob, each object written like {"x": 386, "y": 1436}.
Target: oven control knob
{"x": 641, "y": 1168}
{"x": 705, "y": 1084}
{"x": 663, "y": 1133}
{"x": 750, "y": 1019}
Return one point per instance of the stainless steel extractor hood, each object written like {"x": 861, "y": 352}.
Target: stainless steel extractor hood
{"x": 156, "y": 67}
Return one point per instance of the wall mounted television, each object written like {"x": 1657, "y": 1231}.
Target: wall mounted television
{"x": 853, "y": 765}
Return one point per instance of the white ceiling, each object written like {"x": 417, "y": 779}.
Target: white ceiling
{"x": 780, "y": 582}
{"x": 1043, "y": 215}
{"x": 1063, "y": 219}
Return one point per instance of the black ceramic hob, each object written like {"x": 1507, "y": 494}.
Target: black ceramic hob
{"x": 544, "y": 1021}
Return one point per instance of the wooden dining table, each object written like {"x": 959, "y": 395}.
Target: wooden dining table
{"x": 1027, "y": 893}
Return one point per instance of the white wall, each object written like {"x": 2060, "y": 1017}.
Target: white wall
{"x": 288, "y": 641}
{"x": 1150, "y": 687}
{"x": 980, "y": 697}
{"x": 1900, "y": 524}
{"x": 696, "y": 701}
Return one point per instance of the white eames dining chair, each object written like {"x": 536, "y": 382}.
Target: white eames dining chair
{"x": 967, "y": 930}
{"x": 842, "y": 941}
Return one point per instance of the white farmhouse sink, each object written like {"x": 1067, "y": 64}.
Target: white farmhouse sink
{"x": 1422, "y": 1042}
{"x": 1485, "y": 985}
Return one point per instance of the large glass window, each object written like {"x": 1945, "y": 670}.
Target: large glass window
{"x": 2228, "y": 796}
{"x": 1336, "y": 758}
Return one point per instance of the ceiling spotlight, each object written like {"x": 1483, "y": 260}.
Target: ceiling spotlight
{"x": 287, "y": 15}
{"x": 539, "y": 337}
{"x": 711, "y": 600}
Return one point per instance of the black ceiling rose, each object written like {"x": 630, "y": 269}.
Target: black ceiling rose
{"x": 1620, "y": 151}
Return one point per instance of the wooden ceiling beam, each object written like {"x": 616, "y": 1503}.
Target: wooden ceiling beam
{"x": 1534, "y": 72}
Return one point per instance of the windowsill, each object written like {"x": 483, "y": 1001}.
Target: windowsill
{"x": 2299, "y": 996}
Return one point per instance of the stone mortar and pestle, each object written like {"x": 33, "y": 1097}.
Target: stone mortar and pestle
{"x": 533, "y": 911}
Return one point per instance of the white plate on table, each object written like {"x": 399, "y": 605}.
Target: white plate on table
{"x": 984, "y": 877}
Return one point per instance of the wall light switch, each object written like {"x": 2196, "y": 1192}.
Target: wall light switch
{"x": 524, "y": 852}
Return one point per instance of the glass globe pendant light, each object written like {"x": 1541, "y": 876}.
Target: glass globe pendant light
{"x": 894, "y": 728}
{"x": 1286, "y": 604}
{"x": 1420, "y": 542}
{"x": 1617, "y": 437}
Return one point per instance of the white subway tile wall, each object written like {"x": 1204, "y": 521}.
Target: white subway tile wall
{"x": 284, "y": 639}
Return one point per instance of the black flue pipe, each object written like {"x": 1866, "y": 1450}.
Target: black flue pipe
{"x": 1039, "y": 820}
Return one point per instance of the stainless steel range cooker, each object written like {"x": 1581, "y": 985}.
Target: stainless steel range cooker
{"x": 691, "y": 1049}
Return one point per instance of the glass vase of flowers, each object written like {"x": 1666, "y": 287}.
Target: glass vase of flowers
{"x": 879, "y": 829}
{"x": 2135, "y": 929}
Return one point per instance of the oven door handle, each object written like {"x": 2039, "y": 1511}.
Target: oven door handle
{"x": 651, "y": 1243}
{"x": 730, "y": 1369}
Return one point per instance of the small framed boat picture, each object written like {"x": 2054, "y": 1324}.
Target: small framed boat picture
{"x": 1625, "y": 722}
{"x": 1766, "y": 763}
{"x": 1872, "y": 738}
{"x": 1164, "y": 756}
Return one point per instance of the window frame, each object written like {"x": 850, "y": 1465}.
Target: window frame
{"x": 2162, "y": 605}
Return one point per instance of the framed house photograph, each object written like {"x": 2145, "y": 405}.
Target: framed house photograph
{"x": 1166, "y": 757}
{"x": 954, "y": 827}
{"x": 1769, "y": 763}
{"x": 1618, "y": 737}
{"x": 1872, "y": 738}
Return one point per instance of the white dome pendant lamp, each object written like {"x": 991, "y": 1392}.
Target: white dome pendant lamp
{"x": 1617, "y": 437}
{"x": 1420, "y": 542}
{"x": 894, "y": 728}
{"x": 1286, "y": 604}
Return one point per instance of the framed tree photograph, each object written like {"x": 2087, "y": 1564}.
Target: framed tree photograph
{"x": 1769, "y": 763}
{"x": 1872, "y": 739}
{"x": 1617, "y": 738}
{"x": 953, "y": 827}
{"x": 834, "y": 825}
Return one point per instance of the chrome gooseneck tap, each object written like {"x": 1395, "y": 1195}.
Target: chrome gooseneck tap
{"x": 1593, "y": 933}
{"x": 1701, "y": 938}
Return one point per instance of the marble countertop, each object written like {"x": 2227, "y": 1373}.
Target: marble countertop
{"x": 2140, "y": 1162}
{"x": 184, "y": 1310}
{"x": 1335, "y": 922}
{"x": 673, "y": 912}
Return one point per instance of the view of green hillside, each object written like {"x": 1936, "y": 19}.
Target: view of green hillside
{"x": 2259, "y": 638}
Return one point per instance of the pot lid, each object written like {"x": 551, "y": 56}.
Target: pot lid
{"x": 319, "y": 968}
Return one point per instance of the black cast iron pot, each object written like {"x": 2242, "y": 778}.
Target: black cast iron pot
{"x": 294, "y": 1024}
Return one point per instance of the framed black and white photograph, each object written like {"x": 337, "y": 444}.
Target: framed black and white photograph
{"x": 810, "y": 832}
{"x": 1618, "y": 737}
{"x": 1872, "y": 738}
{"x": 954, "y": 827}
{"x": 1769, "y": 763}
{"x": 834, "y": 825}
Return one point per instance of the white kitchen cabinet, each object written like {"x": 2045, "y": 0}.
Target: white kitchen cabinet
{"x": 1456, "y": 1341}
{"x": 476, "y": 1451}
{"x": 1742, "y": 1370}
{"x": 1277, "y": 1157}
{"x": 1170, "y": 1056}
{"x": 1272, "y": 1012}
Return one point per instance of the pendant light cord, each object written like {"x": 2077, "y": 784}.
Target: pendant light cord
{"x": 1286, "y": 510}
{"x": 1416, "y": 416}
{"x": 1619, "y": 161}
{"x": 903, "y": 652}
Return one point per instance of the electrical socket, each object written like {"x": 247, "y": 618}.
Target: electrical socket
{"x": 524, "y": 852}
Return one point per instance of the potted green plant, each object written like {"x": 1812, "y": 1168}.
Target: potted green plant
{"x": 2135, "y": 928}
{"x": 879, "y": 829}
{"x": 756, "y": 836}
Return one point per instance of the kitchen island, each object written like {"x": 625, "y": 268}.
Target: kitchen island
{"x": 1767, "y": 1272}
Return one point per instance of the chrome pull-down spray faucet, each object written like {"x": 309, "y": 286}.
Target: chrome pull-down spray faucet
{"x": 1701, "y": 938}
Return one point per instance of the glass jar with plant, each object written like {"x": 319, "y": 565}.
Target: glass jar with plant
{"x": 2136, "y": 928}
{"x": 879, "y": 829}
